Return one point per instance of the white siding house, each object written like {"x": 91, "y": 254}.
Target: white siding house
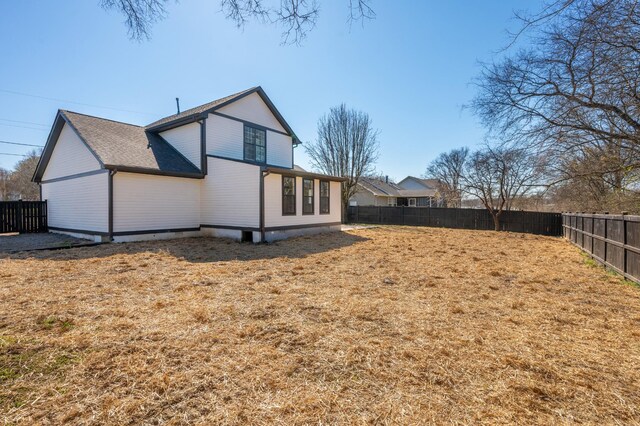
{"x": 218, "y": 169}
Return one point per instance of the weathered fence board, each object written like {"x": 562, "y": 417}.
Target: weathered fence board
{"x": 613, "y": 240}
{"x": 515, "y": 221}
{"x": 23, "y": 216}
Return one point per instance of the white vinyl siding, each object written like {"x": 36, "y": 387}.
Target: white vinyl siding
{"x": 231, "y": 194}
{"x": 70, "y": 156}
{"x": 80, "y": 203}
{"x": 252, "y": 108}
{"x": 148, "y": 202}
{"x": 279, "y": 150}
{"x": 273, "y": 204}
{"x": 225, "y": 137}
{"x": 186, "y": 139}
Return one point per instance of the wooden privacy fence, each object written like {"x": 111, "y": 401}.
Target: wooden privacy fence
{"x": 23, "y": 216}
{"x": 613, "y": 240}
{"x": 515, "y": 221}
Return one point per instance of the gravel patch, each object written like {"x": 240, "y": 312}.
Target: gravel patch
{"x": 11, "y": 243}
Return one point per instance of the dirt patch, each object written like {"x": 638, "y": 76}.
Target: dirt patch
{"x": 11, "y": 243}
{"x": 385, "y": 325}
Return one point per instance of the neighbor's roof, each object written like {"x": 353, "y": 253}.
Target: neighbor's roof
{"x": 120, "y": 145}
{"x": 428, "y": 183}
{"x": 389, "y": 189}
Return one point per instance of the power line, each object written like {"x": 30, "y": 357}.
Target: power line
{"x": 16, "y": 155}
{"x": 23, "y": 127}
{"x": 22, "y": 144}
{"x": 73, "y": 102}
{"x": 24, "y": 122}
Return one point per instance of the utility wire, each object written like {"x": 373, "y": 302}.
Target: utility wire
{"x": 73, "y": 102}
{"x": 16, "y": 155}
{"x": 23, "y": 127}
{"x": 22, "y": 144}
{"x": 24, "y": 122}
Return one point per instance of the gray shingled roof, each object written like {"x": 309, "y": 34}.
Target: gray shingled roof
{"x": 127, "y": 145}
{"x": 199, "y": 109}
{"x": 381, "y": 188}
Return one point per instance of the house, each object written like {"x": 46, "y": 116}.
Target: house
{"x": 224, "y": 169}
{"x": 411, "y": 192}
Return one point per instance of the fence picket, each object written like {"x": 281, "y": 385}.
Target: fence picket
{"x": 23, "y": 216}
{"x": 515, "y": 221}
{"x": 618, "y": 251}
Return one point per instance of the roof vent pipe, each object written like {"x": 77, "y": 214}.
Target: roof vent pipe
{"x": 178, "y": 105}
{"x": 386, "y": 178}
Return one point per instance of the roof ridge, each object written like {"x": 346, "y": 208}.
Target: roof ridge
{"x": 193, "y": 110}
{"x": 64, "y": 111}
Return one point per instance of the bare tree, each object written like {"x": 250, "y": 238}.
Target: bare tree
{"x": 347, "y": 146}
{"x": 4, "y": 184}
{"x": 447, "y": 168}
{"x": 576, "y": 88}
{"x": 296, "y": 17}
{"x": 498, "y": 176}
{"x": 20, "y": 185}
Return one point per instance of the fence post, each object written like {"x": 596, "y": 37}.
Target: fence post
{"x": 19, "y": 216}
{"x": 606, "y": 232}
{"x": 624, "y": 241}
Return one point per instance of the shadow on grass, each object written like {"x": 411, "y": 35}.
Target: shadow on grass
{"x": 204, "y": 249}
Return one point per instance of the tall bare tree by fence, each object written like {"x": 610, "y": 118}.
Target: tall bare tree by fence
{"x": 347, "y": 146}
{"x": 612, "y": 240}
{"x": 447, "y": 169}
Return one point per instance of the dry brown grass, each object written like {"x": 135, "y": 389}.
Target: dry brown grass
{"x": 384, "y": 326}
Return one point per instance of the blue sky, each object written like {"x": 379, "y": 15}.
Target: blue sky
{"x": 410, "y": 69}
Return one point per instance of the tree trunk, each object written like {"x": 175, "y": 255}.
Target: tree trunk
{"x": 496, "y": 221}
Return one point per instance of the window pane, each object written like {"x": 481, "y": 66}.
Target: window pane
{"x": 289, "y": 186}
{"x": 260, "y": 137}
{"x": 307, "y": 185}
{"x": 260, "y": 154}
{"x": 324, "y": 189}
{"x": 250, "y": 152}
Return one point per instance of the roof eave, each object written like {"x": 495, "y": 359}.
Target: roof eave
{"x": 292, "y": 172}
{"x": 147, "y": 171}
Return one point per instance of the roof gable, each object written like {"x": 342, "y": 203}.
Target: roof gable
{"x": 253, "y": 108}
{"x": 200, "y": 112}
{"x": 118, "y": 145}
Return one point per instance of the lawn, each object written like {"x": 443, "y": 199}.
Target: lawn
{"x": 392, "y": 325}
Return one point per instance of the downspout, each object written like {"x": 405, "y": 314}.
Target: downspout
{"x": 263, "y": 174}
{"x": 203, "y": 146}
{"x": 110, "y": 186}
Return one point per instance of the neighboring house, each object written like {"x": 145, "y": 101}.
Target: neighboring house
{"x": 382, "y": 192}
{"x": 223, "y": 169}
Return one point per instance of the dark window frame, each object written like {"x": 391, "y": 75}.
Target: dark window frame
{"x": 245, "y": 143}
{"x": 295, "y": 201}
{"x": 304, "y": 197}
{"x": 328, "y": 197}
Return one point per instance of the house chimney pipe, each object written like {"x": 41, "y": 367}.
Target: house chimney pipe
{"x": 386, "y": 179}
{"x": 178, "y": 105}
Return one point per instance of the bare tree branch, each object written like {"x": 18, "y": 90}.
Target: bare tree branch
{"x": 296, "y": 17}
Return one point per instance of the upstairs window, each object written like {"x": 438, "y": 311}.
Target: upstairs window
{"x": 255, "y": 144}
{"x": 307, "y": 196}
{"x": 324, "y": 197}
{"x": 288, "y": 196}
